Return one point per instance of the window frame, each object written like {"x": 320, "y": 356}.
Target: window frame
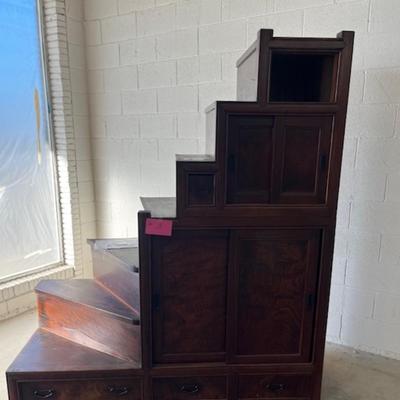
{"x": 55, "y": 176}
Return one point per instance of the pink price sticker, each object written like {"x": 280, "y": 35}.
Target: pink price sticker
{"x": 158, "y": 227}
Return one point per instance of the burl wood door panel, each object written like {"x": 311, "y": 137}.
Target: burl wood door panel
{"x": 278, "y": 159}
{"x": 189, "y": 273}
{"x": 249, "y": 162}
{"x": 273, "y": 277}
{"x": 302, "y": 155}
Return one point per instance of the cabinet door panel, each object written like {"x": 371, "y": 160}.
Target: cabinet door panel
{"x": 302, "y": 160}
{"x": 274, "y": 278}
{"x": 189, "y": 296}
{"x": 250, "y": 150}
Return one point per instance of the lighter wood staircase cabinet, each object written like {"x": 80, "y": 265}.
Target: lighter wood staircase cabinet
{"x": 233, "y": 304}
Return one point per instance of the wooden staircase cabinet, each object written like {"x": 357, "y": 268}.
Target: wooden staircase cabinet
{"x": 233, "y": 304}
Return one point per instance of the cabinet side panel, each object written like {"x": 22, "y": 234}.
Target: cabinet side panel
{"x": 211, "y": 122}
{"x": 247, "y": 74}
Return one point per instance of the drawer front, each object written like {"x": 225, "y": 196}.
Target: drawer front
{"x": 183, "y": 388}
{"x": 107, "y": 389}
{"x": 285, "y": 386}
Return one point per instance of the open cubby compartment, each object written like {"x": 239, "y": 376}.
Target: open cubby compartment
{"x": 302, "y": 76}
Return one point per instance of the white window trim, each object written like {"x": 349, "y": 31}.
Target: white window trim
{"x": 16, "y": 292}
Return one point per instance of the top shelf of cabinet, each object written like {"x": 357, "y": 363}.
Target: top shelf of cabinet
{"x": 302, "y": 77}
{"x": 293, "y": 70}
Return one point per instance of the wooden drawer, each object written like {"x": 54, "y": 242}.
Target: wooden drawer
{"x": 210, "y": 387}
{"x": 285, "y": 386}
{"x": 107, "y": 389}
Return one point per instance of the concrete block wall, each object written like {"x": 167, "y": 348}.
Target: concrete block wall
{"x": 153, "y": 65}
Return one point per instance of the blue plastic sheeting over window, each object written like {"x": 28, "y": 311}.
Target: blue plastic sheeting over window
{"x": 29, "y": 233}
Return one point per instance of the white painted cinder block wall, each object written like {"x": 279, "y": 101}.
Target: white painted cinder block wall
{"x": 80, "y": 163}
{"x": 153, "y": 65}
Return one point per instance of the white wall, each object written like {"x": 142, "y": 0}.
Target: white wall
{"x": 80, "y": 162}
{"x": 153, "y": 65}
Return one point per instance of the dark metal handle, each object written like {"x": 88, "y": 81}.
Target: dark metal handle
{"x": 231, "y": 163}
{"x": 275, "y": 387}
{"x": 44, "y": 394}
{"x": 118, "y": 391}
{"x": 155, "y": 302}
{"x": 311, "y": 301}
{"x": 190, "y": 388}
{"x": 323, "y": 162}
{"x": 135, "y": 269}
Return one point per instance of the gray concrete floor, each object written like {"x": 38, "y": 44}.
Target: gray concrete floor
{"x": 354, "y": 375}
{"x": 348, "y": 374}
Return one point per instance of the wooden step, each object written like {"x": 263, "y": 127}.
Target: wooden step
{"x": 116, "y": 267}
{"x": 83, "y": 311}
{"x": 46, "y": 352}
{"x": 160, "y": 207}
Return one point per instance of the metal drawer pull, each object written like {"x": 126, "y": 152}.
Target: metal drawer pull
{"x": 44, "y": 394}
{"x": 118, "y": 391}
{"x": 275, "y": 387}
{"x": 190, "y": 388}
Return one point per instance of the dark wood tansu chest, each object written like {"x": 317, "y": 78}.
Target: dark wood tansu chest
{"x": 234, "y": 303}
